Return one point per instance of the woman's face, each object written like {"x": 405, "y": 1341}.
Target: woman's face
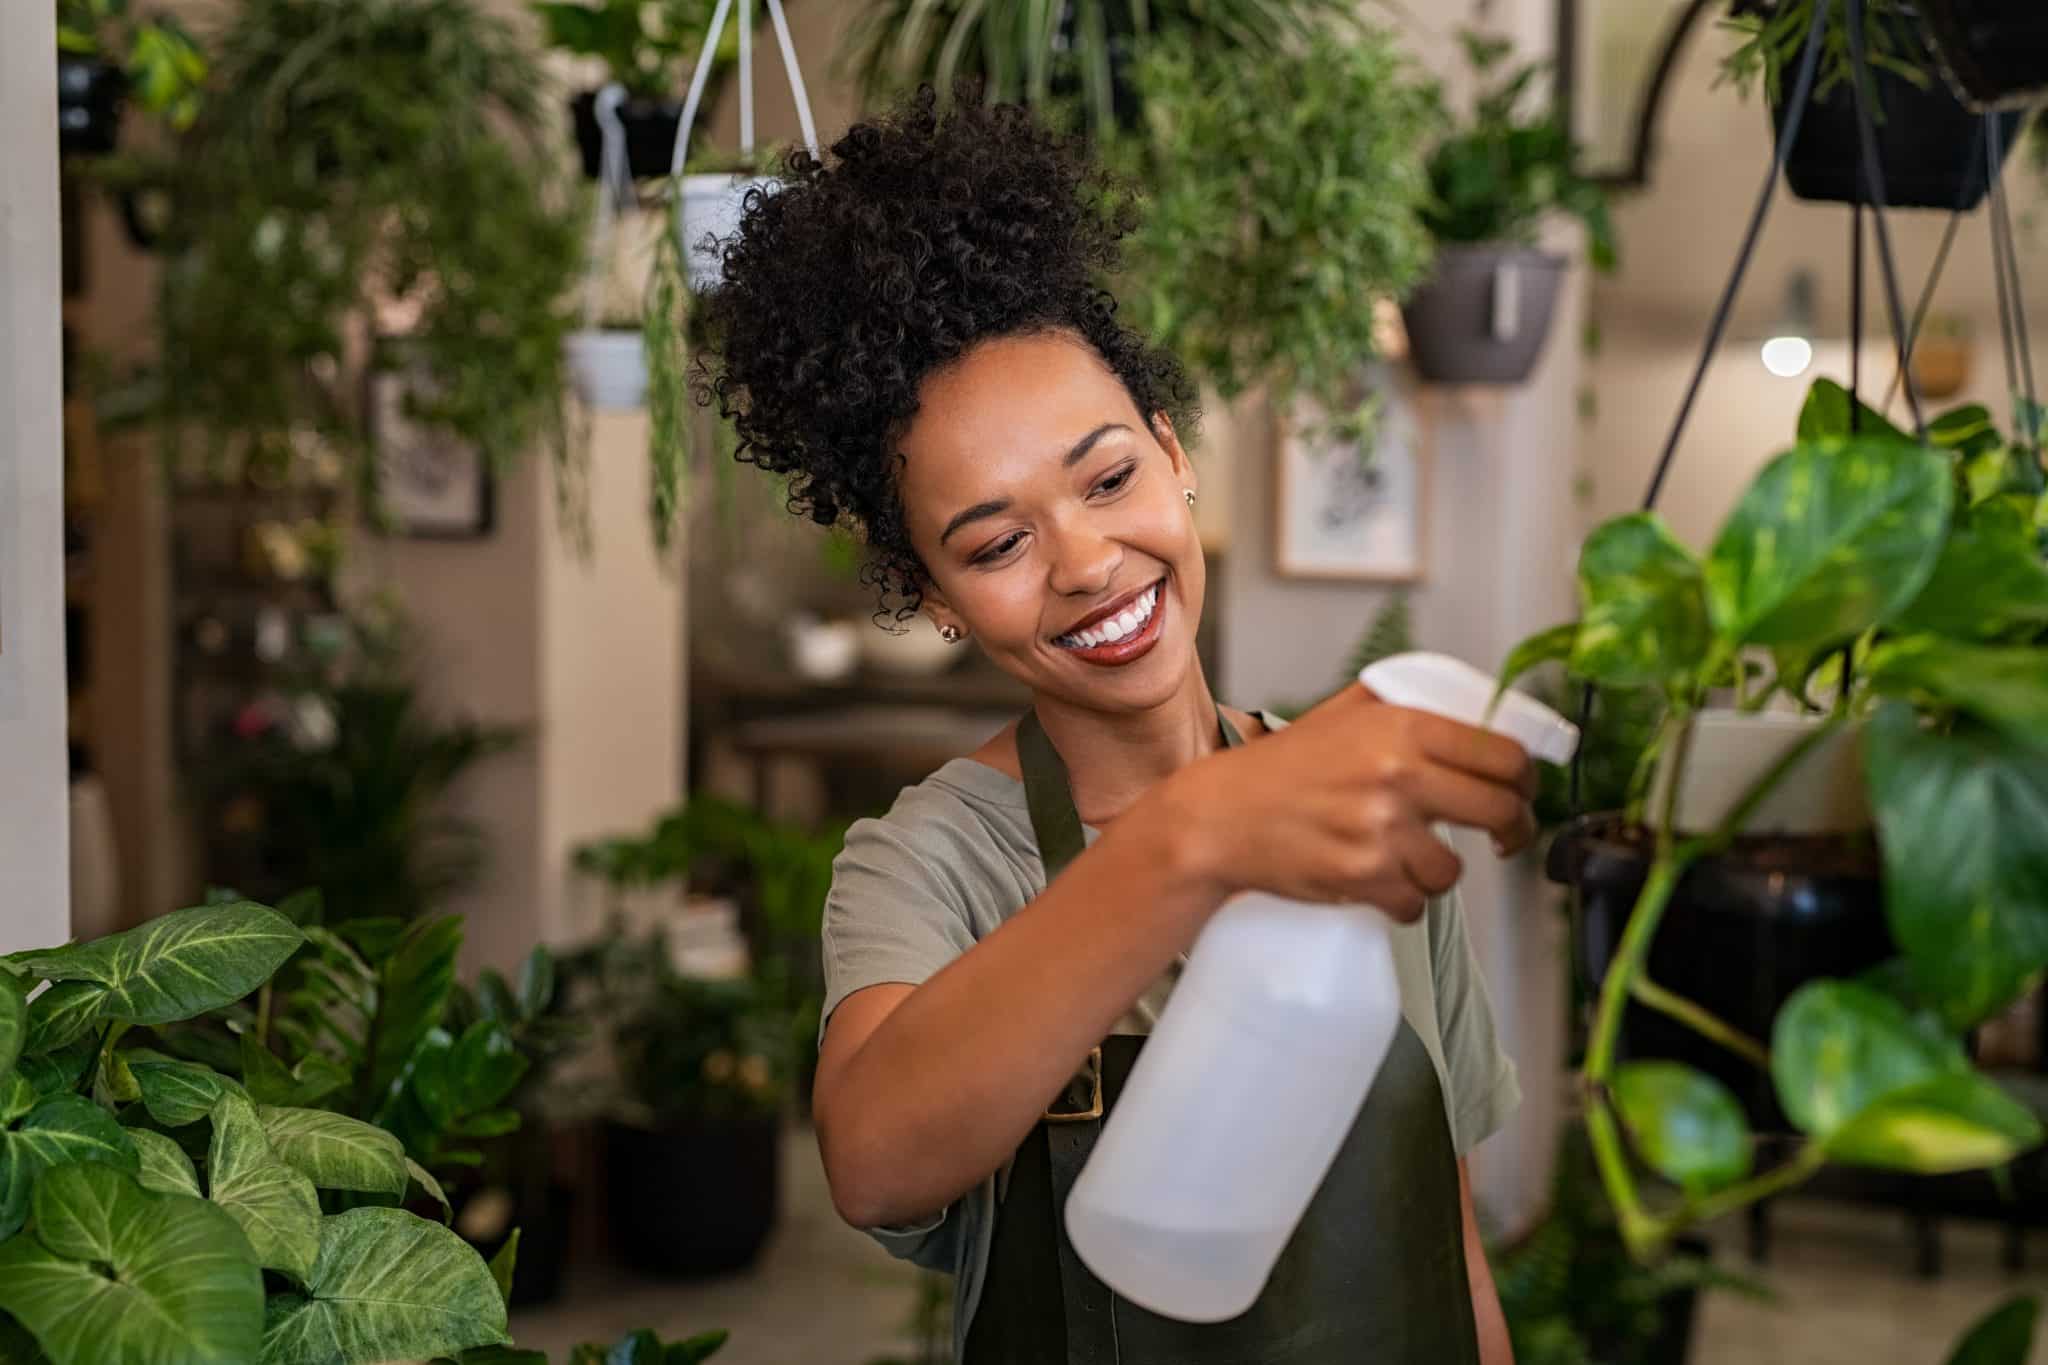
{"x": 1053, "y": 522}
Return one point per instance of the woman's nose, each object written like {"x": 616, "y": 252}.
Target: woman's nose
{"x": 1084, "y": 562}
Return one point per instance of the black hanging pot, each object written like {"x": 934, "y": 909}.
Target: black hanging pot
{"x": 1484, "y": 313}
{"x": 695, "y": 1196}
{"x": 1996, "y": 51}
{"x": 89, "y": 97}
{"x": 1743, "y": 931}
{"x": 650, "y": 133}
{"x": 1930, "y": 147}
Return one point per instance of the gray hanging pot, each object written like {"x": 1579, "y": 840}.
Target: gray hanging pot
{"x": 1484, "y": 314}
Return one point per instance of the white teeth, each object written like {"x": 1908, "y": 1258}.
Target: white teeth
{"x": 1118, "y": 627}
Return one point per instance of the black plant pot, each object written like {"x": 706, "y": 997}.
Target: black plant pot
{"x": 1676, "y": 1314}
{"x": 1744, "y": 930}
{"x": 89, "y": 97}
{"x": 1929, "y": 147}
{"x": 650, "y": 133}
{"x": 695, "y": 1197}
{"x": 1483, "y": 315}
{"x": 1996, "y": 50}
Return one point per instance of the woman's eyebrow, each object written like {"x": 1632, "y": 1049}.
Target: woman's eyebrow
{"x": 981, "y": 511}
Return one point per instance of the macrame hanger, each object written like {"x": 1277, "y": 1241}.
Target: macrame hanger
{"x": 615, "y": 196}
{"x": 702, "y": 76}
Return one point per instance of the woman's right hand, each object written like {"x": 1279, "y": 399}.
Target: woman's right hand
{"x": 1339, "y": 806}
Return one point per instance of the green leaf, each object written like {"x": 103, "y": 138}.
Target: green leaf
{"x": 17, "y": 1097}
{"x": 2004, "y": 1336}
{"x": 1958, "y": 1122}
{"x": 1643, "y": 617}
{"x": 60, "y": 1014}
{"x": 414, "y": 985}
{"x": 503, "y": 1265}
{"x": 701, "y": 1347}
{"x": 13, "y": 1020}
{"x": 336, "y": 1152}
{"x": 1837, "y": 1048}
{"x": 1543, "y": 647}
{"x": 2003, "y": 686}
{"x": 119, "y": 1275}
{"x": 1966, "y": 890}
{"x": 183, "y": 964}
{"x": 164, "y": 1166}
{"x": 276, "y": 1205}
{"x": 55, "y": 1073}
{"x": 425, "y": 1179}
{"x": 1686, "y": 1124}
{"x": 1826, "y": 414}
{"x": 1988, "y": 580}
{"x": 177, "y": 1092}
{"x": 59, "y": 1131}
{"x": 536, "y": 981}
{"x": 1827, "y": 542}
{"x": 484, "y": 1066}
{"x": 316, "y": 1076}
{"x": 388, "y": 1285}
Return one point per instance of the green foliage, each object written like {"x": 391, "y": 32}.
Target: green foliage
{"x": 2004, "y": 1336}
{"x": 166, "y": 69}
{"x": 1770, "y": 43}
{"x": 334, "y": 180}
{"x": 652, "y": 50}
{"x": 1861, "y": 542}
{"x": 1286, "y": 190}
{"x": 231, "y": 1230}
{"x": 1500, "y": 174}
{"x": 1022, "y": 49}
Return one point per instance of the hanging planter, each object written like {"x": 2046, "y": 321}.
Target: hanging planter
{"x": 90, "y": 93}
{"x": 609, "y": 367}
{"x": 650, "y": 131}
{"x": 1996, "y": 51}
{"x": 1484, "y": 314}
{"x": 710, "y": 207}
{"x": 1929, "y": 146}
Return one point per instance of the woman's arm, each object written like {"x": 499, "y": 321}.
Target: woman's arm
{"x": 1494, "y": 1345}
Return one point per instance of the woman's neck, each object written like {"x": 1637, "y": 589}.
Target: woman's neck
{"x": 1113, "y": 759}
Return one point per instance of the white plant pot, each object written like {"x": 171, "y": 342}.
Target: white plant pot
{"x": 824, "y": 651}
{"x": 609, "y": 368}
{"x": 915, "y": 652}
{"x": 713, "y": 204}
{"x": 1824, "y": 794}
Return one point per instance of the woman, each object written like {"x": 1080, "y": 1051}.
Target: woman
{"x": 916, "y": 337}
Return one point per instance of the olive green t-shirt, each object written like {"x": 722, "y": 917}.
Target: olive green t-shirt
{"x": 956, "y": 856}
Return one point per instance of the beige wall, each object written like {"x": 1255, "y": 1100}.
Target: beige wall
{"x": 34, "y": 874}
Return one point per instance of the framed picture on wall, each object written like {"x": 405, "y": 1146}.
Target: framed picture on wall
{"x": 1350, "y": 514}
{"x": 430, "y": 485}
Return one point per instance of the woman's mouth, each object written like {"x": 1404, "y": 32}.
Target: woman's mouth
{"x": 1127, "y": 635}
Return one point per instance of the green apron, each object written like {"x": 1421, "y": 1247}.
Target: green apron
{"x": 1374, "y": 1275}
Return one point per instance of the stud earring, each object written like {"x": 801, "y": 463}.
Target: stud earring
{"x": 952, "y": 635}
{"x": 1189, "y": 494}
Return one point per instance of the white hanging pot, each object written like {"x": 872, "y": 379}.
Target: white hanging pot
{"x": 609, "y": 368}
{"x": 712, "y": 206}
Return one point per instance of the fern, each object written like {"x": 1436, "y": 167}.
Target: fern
{"x": 1391, "y": 633}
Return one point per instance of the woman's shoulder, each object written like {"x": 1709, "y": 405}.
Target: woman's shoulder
{"x": 955, "y": 831}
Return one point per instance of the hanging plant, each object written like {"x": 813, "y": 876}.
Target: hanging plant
{"x": 368, "y": 188}
{"x": 105, "y": 55}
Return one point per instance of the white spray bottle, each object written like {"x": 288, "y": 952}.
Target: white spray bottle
{"x": 1260, "y": 1064}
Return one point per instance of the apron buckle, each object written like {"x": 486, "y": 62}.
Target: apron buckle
{"x": 1094, "y": 1109}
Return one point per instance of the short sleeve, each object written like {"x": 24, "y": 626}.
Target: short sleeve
{"x": 1485, "y": 1090}
{"x": 892, "y": 915}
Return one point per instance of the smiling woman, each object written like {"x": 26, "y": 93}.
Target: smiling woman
{"x": 918, "y": 336}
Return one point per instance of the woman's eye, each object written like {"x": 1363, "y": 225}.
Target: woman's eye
{"x": 1115, "y": 481}
{"x": 1000, "y": 548}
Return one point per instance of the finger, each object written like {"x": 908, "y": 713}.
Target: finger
{"x": 1458, "y": 798}
{"x": 1430, "y": 864}
{"x": 1471, "y": 749}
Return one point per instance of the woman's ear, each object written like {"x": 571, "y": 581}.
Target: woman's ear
{"x": 1169, "y": 440}
{"x": 940, "y": 612}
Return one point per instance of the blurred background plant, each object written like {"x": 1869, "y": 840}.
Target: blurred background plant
{"x": 648, "y": 48}
{"x": 164, "y": 69}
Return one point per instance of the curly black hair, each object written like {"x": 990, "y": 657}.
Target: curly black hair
{"x": 934, "y": 229}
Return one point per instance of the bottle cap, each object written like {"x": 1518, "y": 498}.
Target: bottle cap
{"x": 1451, "y": 687}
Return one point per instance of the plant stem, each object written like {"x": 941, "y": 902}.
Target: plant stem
{"x": 263, "y": 1015}
{"x": 1627, "y": 964}
{"x": 1700, "y": 1021}
{"x": 1640, "y": 1231}
{"x": 1803, "y": 1166}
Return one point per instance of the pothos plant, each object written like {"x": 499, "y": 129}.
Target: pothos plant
{"x": 157, "y": 1207}
{"x": 1898, "y": 587}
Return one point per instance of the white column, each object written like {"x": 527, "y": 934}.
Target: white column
{"x": 35, "y": 889}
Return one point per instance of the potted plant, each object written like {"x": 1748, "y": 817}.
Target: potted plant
{"x": 1285, "y": 191}
{"x": 1483, "y": 313}
{"x": 649, "y": 49}
{"x": 1900, "y": 592}
{"x": 1930, "y": 146}
{"x": 105, "y": 53}
{"x": 349, "y": 206}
